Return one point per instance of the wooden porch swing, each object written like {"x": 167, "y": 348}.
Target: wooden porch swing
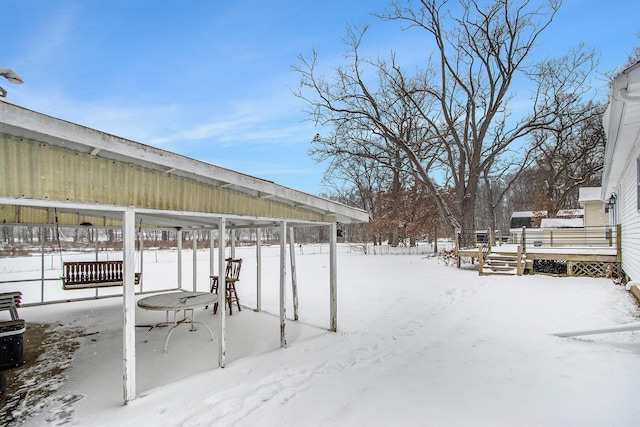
{"x": 91, "y": 274}
{"x": 94, "y": 274}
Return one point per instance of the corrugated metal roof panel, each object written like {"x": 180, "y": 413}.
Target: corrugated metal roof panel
{"x": 22, "y": 123}
{"x": 34, "y": 170}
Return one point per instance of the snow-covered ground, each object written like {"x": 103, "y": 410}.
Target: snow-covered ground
{"x": 419, "y": 343}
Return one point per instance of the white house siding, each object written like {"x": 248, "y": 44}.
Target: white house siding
{"x": 629, "y": 217}
{"x": 622, "y": 126}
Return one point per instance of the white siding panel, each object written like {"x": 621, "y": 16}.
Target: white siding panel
{"x": 629, "y": 217}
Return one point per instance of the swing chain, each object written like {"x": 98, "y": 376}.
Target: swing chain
{"x": 55, "y": 212}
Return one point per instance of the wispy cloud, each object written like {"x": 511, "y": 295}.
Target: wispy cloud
{"x": 50, "y": 42}
{"x": 246, "y": 123}
{"x": 135, "y": 122}
{"x": 220, "y": 130}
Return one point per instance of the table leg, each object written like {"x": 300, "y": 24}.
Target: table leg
{"x": 200, "y": 323}
{"x": 178, "y": 323}
{"x": 166, "y": 340}
{"x": 208, "y": 328}
{"x": 191, "y": 321}
{"x": 151, "y": 327}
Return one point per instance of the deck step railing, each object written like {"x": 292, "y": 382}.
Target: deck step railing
{"x": 502, "y": 263}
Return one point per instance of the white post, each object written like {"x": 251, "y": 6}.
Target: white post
{"x": 180, "y": 258}
{"x": 141, "y": 252}
{"x": 333, "y": 278}
{"x": 283, "y": 283}
{"x": 97, "y": 249}
{"x": 212, "y": 242}
{"x": 129, "y": 305}
{"x": 222, "y": 293}
{"x": 195, "y": 260}
{"x": 294, "y": 281}
{"x": 258, "y": 269}
{"x": 232, "y": 237}
{"x": 42, "y": 237}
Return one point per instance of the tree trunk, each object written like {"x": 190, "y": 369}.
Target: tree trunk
{"x": 395, "y": 194}
{"x": 435, "y": 239}
{"x": 467, "y": 213}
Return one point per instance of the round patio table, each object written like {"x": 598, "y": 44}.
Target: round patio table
{"x": 177, "y": 301}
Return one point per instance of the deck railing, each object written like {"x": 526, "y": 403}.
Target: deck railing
{"x": 600, "y": 236}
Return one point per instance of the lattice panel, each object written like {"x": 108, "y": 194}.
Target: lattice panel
{"x": 595, "y": 269}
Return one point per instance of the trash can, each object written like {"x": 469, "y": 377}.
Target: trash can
{"x": 11, "y": 343}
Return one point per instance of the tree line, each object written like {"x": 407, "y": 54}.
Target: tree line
{"x": 447, "y": 145}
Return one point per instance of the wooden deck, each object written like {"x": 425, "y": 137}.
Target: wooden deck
{"x": 594, "y": 259}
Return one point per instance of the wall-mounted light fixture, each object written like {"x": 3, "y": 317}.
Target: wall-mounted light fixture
{"x": 611, "y": 202}
{"x": 10, "y": 75}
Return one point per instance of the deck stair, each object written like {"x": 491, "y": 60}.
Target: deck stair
{"x": 505, "y": 263}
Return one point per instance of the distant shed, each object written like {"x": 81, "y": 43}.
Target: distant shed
{"x": 521, "y": 219}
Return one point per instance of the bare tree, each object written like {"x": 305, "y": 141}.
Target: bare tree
{"x": 457, "y": 122}
{"x": 569, "y": 151}
{"x": 354, "y": 179}
{"x": 570, "y": 157}
{"x": 357, "y": 149}
{"x": 561, "y": 156}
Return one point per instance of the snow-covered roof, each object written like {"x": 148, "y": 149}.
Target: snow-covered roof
{"x": 562, "y": 223}
{"x": 590, "y": 194}
{"x": 528, "y": 214}
{"x": 570, "y": 213}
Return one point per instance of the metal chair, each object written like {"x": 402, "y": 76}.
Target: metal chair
{"x": 232, "y": 275}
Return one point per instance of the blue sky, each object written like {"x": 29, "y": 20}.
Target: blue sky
{"x": 212, "y": 80}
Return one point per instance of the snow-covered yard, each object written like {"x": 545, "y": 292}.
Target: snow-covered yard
{"x": 419, "y": 343}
